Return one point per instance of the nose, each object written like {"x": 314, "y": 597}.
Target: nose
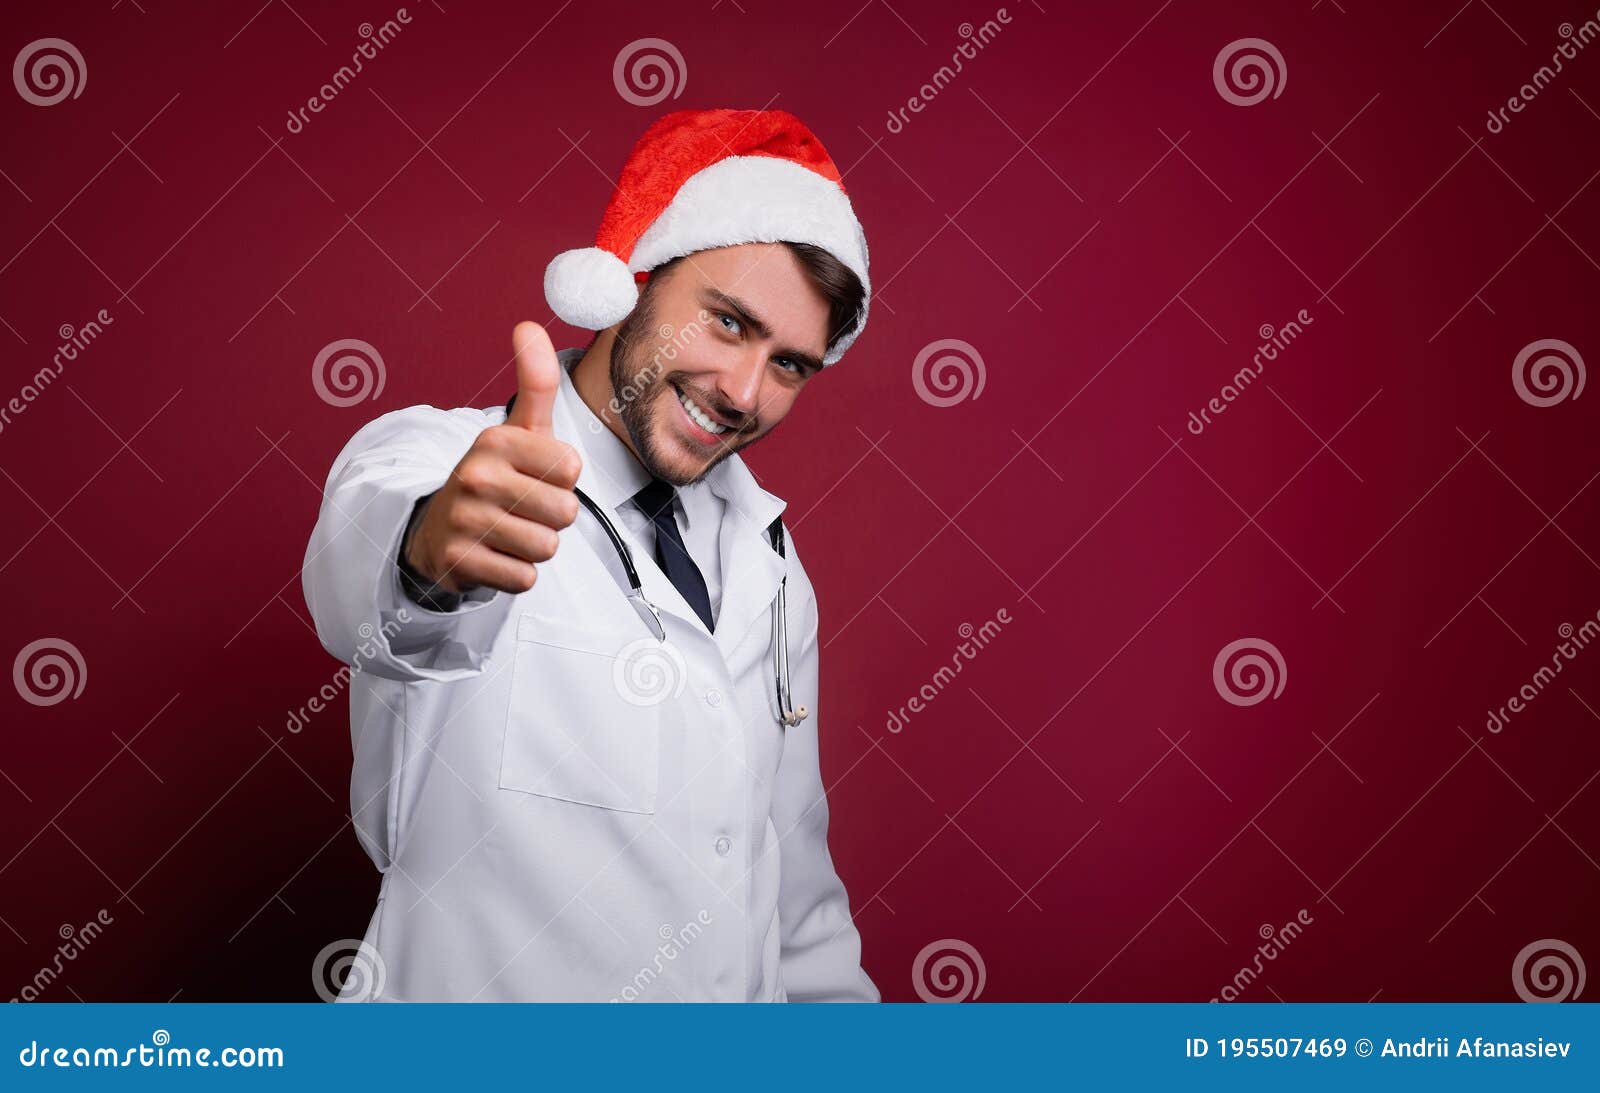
{"x": 740, "y": 385}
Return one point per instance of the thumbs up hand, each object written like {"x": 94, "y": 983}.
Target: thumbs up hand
{"x": 499, "y": 512}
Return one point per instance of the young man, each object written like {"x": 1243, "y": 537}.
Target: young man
{"x": 582, "y": 761}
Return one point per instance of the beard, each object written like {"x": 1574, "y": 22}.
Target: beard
{"x": 638, "y": 375}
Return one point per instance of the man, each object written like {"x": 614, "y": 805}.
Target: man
{"x": 573, "y": 763}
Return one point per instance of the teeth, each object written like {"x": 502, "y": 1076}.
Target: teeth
{"x": 699, "y": 418}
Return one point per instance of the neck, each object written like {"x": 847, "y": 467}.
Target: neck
{"x": 591, "y": 376}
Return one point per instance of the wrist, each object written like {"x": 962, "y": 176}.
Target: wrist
{"x": 417, "y": 586}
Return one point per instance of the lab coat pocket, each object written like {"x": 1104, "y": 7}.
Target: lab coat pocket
{"x": 578, "y": 726}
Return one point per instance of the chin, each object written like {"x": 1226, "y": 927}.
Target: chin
{"x": 673, "y": 451}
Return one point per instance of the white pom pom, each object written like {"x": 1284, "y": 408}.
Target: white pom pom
{"x": 590, "y": 288}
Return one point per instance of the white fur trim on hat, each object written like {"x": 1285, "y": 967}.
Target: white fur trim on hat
{"x": 589, "y": 288}
{"x": 756, "y": 199}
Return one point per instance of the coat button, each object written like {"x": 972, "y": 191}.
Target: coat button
{"x": 724, "y": 845}
{"x": 713, "y": 698}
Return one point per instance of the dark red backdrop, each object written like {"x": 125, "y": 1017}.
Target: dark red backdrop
{"x": 1086, "y": 210}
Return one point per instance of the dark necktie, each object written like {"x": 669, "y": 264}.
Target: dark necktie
{"x": 655, "y": 501}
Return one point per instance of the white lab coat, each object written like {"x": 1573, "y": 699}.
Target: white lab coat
{"x": 546, "y": 828}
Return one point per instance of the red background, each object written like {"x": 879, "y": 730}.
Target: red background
{"x": 159, "y": 497}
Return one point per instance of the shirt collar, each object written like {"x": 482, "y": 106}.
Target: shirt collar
{"x": 611, "y": 461}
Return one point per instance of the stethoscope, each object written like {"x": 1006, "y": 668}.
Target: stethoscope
{"x": 788, "y": 714}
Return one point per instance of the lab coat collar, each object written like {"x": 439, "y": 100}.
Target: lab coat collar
{"x": 751, "y": 568}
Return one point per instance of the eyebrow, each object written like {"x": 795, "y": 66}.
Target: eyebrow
{"x": 745, "y": 315}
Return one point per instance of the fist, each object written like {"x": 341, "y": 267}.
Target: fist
{"x": 497, "y": 516}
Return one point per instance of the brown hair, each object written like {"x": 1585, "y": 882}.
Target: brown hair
{"x": 836, "y": 281}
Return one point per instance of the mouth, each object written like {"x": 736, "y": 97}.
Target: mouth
{"x": 700, "y": 423}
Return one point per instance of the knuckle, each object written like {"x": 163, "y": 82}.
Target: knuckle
{"x": 495, "y": 438}
{"x": 456, "y": 517}
{"x": 571, "y": 465}
{"x": 549, "y": 542}
{"x": 453, "y": 553}
{"x": 473, "y": 474}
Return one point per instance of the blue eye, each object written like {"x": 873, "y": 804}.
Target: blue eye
{"x": 735, "y": 328}
{"x": 786, "y": 364}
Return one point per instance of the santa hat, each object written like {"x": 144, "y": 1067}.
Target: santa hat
{"x": 700, "y": 179}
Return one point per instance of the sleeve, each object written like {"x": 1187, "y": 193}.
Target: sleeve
{"x": 821, "y": 948}
{"x": 351, "y": 576}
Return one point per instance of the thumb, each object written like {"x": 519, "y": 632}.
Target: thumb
{"x": 538, "y": 378}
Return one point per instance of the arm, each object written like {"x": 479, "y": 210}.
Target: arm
{"x": 821, "y": 954}
{"x": 351, "y": 577}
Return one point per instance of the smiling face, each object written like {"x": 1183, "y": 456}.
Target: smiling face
{"x": 714, "y": 356}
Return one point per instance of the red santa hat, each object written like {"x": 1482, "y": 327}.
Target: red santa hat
{"x": 699, "y": 179}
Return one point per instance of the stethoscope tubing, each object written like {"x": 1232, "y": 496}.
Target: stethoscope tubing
{"x": 788, "y": 715}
